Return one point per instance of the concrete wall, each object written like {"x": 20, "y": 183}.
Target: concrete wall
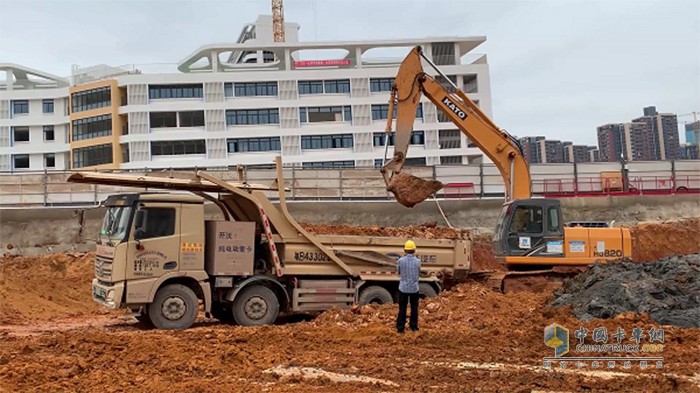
{"x": 43, "y": 227}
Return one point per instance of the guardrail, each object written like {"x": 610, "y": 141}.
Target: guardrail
{"x": 462, "y": 182}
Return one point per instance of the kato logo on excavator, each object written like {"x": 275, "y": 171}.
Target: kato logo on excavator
{"x": 460, "y": 113}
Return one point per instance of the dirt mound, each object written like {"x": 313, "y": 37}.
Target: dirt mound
{"x": 423, "y": 231}
{"x": 656, "y": 240}
{"x": 667, "y": 290}
{"x": 46, "y": 287}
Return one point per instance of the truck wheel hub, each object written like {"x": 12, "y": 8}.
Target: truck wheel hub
{"x": 174, "y": 308}
{"x": 255, "y": 307}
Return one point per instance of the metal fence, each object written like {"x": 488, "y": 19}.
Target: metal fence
{"x": 462, "y": 182}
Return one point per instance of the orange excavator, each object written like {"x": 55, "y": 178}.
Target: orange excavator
{"x": 531, "y": 237}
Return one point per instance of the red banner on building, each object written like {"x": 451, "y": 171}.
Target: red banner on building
{"x": 321, "y": 63}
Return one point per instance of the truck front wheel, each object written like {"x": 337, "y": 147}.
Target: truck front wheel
{"x": 174, "y": 307}
{"x": 375, "y": 295}
{"x": 255, "y": 305}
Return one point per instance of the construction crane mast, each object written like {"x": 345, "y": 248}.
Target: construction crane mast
{"x": 278, "y": 20}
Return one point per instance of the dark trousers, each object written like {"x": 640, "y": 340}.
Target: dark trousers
{"x": 404, "y": 299}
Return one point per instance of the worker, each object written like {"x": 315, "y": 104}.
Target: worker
{"x": 408, "y": 269}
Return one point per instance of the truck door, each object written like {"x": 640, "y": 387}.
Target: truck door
{"x": 155, "y": 245}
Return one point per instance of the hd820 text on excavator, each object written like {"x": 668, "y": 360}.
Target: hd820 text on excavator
{"x": 531, "y": 237}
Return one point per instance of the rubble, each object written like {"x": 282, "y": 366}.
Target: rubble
{"x": 655, "y": 240}
{"x": 423, "y": 231}
{"x": 667, "y": 290}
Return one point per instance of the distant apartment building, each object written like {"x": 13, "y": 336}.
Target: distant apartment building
{"x": 692, "y": 133}
{"x": 539, "y": 150}
{"x": 593, "y": 154}
{"x": 551, "y": 151}
{"x": 531, "y": 151}
{"x": 576, "y": 153}
{"x": 661, "y": 131}
{"x": 652, "y": 137}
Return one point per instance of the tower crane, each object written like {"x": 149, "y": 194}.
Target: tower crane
{"x": 278, "y": 20}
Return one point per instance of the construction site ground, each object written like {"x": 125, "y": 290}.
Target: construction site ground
{"x": 471, "y": 338}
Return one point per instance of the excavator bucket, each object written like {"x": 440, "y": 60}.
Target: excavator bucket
{"x": 410, "y": 190}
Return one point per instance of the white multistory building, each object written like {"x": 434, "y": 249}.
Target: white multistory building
{"x": 320, "y": 104}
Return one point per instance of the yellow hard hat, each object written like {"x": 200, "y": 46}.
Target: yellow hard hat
{"x": 409, "y": 246}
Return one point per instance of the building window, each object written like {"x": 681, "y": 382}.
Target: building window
{"x": 163, "y": 119}
{"x": 417, "y": 138}
{"x": 49, "y": 160}
{"x": 20, "y": 134}
{"x": 310, "y": 87}
{"x": 328, "y": 164}
{"x": 92, "y": 127}
{"x": 250, "y": 89}
{"x": 47, "y": 106}
{"x": 381, "y": 111}
{"x": 49, "y": 134}
{"x": 450, "y": 139}
{"x": 177, "y": 148}
{"x": 91, "y": 99}
{"x": 339, "y": 141}
{"x": 92, "y": 155}
{"x": 325, "y": 114}
{"x": 20, "y": 161}
{"x": 380, "y": 84}
{"x": 175, "y": 91}
{"x": 337, "y": 86}
{"x": 418, "y": 161}
{"x": 450, "y": 160}
{"x": 252, "y": 116}
{"x": 192, "y": 119}
{"x": 20, "y": 107}
{"x": 254, "y": 144}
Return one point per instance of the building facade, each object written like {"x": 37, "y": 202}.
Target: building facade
{"x": 659, "y": 132}
{"x": 242, "y": 103}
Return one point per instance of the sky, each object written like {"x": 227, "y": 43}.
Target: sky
{"x": 558, "y": 68}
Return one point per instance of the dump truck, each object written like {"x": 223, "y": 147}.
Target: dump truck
{"x": 158, "y": 256}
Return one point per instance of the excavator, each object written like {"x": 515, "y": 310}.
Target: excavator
{"x": 531, "y": 238}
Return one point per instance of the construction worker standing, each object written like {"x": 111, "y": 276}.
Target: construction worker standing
{"x": 408, "y": 269}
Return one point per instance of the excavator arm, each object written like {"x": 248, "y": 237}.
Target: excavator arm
{"x": 505, "y": 152}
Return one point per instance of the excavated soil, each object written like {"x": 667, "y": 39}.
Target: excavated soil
{"x": 655, "y": 240}
{"x": 47, "y": 287}
{"x": 668, "y": 290}
{"x": 410, "y": 190}
{"x": 471, "y": 339}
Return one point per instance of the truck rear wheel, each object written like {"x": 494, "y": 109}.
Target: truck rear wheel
{"x": 255, "y": 305}
{"x": 174, "y": 307}
{"x": 375, "y": 295}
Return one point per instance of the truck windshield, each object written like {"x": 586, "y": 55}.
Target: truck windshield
{"x": 116, "y": 222}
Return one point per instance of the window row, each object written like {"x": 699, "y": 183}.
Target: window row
{"x": 176, "y": 148}
{"x": 252, "y": 116}
{"x": 175, "y": 91}
{"x": 417, "y": 138}
{"x": 325, "y": 113}
{"x": 91, "y": 99}
{"x": 321, "y": 87}
{"x": 254, "y": 144}
{"x": 21, "y": 134}
{"x": 92, "y": 155}
{"x": 92, "y": 127}
{"x": 328, "y": 164}
{"x": 176, "y": 119}
{"x": 339, "y": 141}
{"x": 381, "y": 112}
{"x": 250, "y": 89}
{"x": 416, "y": 161}
{"x": 21, "y": 161}
{"x": 380, "y": 84}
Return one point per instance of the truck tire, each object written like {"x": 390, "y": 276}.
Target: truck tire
{"x": 255, "y": 305}
{"x": 426, "y": 290}
{"x": 375, "y": 295}
{"x": 175, "y": 307}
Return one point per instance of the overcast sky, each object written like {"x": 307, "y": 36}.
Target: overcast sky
{"x": 558, "y": 68}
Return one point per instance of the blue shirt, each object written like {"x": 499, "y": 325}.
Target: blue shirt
{"x": 409, "y": 271}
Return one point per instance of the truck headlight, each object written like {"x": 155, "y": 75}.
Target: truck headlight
{"x": 110, "y": 296}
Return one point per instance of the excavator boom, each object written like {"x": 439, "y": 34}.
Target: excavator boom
{"x": 505, "y": 152}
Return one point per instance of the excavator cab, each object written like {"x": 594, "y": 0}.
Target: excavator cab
{"x": 528, "y": 227}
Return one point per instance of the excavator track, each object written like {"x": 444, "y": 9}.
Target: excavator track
{"x": 532, "y": 280}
